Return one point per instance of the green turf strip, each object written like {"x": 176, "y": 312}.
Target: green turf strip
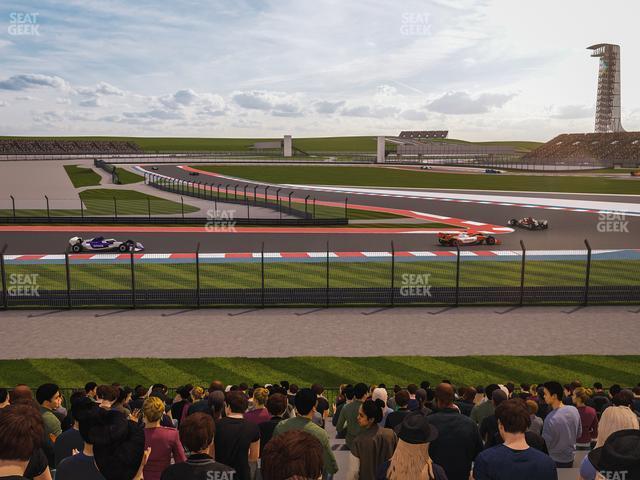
{"x": 126, "y": 177}
{"x": 100, "y": 201}
{"x": 329, "y": 371}
{"x": 177, "y": 276}
{"x": 392, "y": 177}
{"x": 82, "y": 177}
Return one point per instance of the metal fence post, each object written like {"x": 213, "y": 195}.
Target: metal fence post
{"x": 68, "y": 278}
{"x": 235, "y": 191}
{"x": 13, "y": 207}
{"x": 3, "y": 274}
{"x": 393, "y": 275}
{"x": 290, "y": 193}
{"x": 346, "y": 203}
{"x": 48, "y": 211}
{"x": 305, "y": 205}
{"x": 226, "y": 191}
{"x": 457, "y": 275}
{"x": 262, "y": 273}
{"x": 588, "y": 273}
{"x": 81, "y": 209}
{"x": 182, "y": 205}
{"x": 149, "y": 207}
{"x": 524, "y": 256}
{"x": 133, "y": 282}
{"x": 115, "y": 208}
{"x": 314, "y": 207}
{"x": 198, "y": 275}
{"x": 327, "y": 289}
{"x": 266, "y": 189}
{"x": 255, "y": 193}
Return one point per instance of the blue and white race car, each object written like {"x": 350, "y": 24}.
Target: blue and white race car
{"x": 101, "y": 244}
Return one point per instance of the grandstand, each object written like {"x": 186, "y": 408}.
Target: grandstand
{"x": 65, "y": 147}
{"x": 418, "y": 134}
{"x": 593, "y": 150}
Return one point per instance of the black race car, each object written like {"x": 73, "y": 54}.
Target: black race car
{"x": 529, "y": 223}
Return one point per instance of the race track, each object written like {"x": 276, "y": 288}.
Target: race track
{"x": 572, "y": 218}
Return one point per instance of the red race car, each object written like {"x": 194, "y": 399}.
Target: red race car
{"x": 467, "y": 238}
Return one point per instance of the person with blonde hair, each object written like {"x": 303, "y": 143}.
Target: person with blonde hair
{"x": 588, "y": 418}
{"x": 164, "y": 441}
{"x": 259, "y": 414}
{"x": 613, "y": 419}
{"x": 411, "y": 457}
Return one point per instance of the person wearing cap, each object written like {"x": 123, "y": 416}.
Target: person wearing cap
{"x": 459, "y": 441}
{"x": 514, "y": 458}
{"x": 373, "y": 446}
{"x": 619, "y": 457}
{"x": 411, "y": 457}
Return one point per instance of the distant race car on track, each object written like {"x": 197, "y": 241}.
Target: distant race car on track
{"x": 101, "y": 244}
{"x": 465, "y": 238}
{"x": 529, "y": 223}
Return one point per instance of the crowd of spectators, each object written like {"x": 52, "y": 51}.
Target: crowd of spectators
{"x": 278, "y": 432}
{"x": 66, "y": 147}
{"x": 598, "y": 149}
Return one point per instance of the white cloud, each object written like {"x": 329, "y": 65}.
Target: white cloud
{"x": 91, "y": 102}
{"x": 3, "y": 104}
{"x": 26, "y": 81}
{"x": 278, "y": 103}
{"x": 324, "y": 106}
{"x": 568, "y": 112}
{"x": 414, "y": 115}
{"x": 367, "y": 111}
{"x": 461, "y": 103}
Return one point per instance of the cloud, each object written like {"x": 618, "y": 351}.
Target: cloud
{"x": 208, "y": 103}
{"x": 279, "y": 104}
{"x": 367, "y": 111}
{"x": 91, "y": 102}
{"x": 5, "y": 43}
{"x": 25, "y": 98}
{"x": 568, "y": 112}
{"x": 104, "y": 88}
{"x": 3, "y": 104}
{"x": 157, "y": 114}
{"x": 253, "y": 100}
{"x": 413, "y": 115}
{"x": 461, "y": 103}
{"x": 23, "y": 82}
{"x": 324, "y": 106}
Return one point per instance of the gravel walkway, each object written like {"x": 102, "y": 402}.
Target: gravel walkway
{"x": 319, "y": 332}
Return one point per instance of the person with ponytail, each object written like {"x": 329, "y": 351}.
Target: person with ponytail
{"x": 588, "y": 418}
{"x": 411, "y": 458}
{"x": 373, "y": 446}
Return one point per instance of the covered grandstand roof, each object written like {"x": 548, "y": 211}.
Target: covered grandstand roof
{"x": 424, "y": 134}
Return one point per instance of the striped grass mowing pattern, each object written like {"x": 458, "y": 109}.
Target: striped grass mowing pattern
{"x": 176, "y": 276}
{"x": 330, "y": 371}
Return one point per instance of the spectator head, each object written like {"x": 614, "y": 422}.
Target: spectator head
{"x": 597, "y": 386}
{"x": 21, "y": 432}
{"x": 107, "y": 393}
{"x": 624, "y": 398}
{"x": 19, "y": 392}
{"x": 532, "y": 406}
{"x": 360, "y": 391}
{"x": 412, "y": 388}
{"x": 553, "y": 393}
{"x": 118, "y": 445}
{"x": 489, "y": 389}
{"x": 513, "y": 417}
{"x": 197, "y": 431}
{"x": 260, "y": 396}
{"x": 402, "y": 398}
{"x": 614, "y": 419}
{"x": 153, "y": 409}
{"x": 140, "y": 391}
{"x": 236, "y": 402}
{"x": 369, "y": 414}
{"x": 277, "y": 404}
{"x": 425, "y": 385}
{"x": 380, "y": 394}
{"x": 411, "y": 456}
{"x": 421, "y": 397}
{"x": 197, "y": 393}
{"x": 124, "y": 395}
{"x": 48, "y": 395}
{"x": 216, "y": 403}
{"x": 4, "y": 397}
{"x": 293, "y": 454}
{"x": 284, "y": 384}
{"x": 510, "y": 387}
{"x": 444, "y": 395}
{"x": 305, "y": 401}
{"x": 317, "y": 389}
{"x": 184, "y": 391}
{"x": 614, "y": 389}
{"x": 90, "y": 389}
{"x": 619, "y": 457}
{"x": 243, "y": 387}
{"x": 293, "y": 389}
{"x": 216, "y": 386}
{"x": 469, "y": 394}
{"x": 581, "y": 396}
{"x": 497, "y": 397}
{"x": 84, "y": 411}
{"x": 349, "y": 393}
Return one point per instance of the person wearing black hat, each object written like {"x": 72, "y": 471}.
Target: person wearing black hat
{"x": 619, "y": 457}
{"x": 514, "y": 458}
{"x": 411, "y": 458}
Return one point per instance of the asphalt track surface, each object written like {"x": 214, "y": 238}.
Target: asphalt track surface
{"x": 567, "y": 230}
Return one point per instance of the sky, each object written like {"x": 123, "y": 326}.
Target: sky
{"x": 482, "y": 69}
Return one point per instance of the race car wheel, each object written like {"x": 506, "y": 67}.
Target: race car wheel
{"x": 491, "y": 241}
{"x": 513, "y": 222}
{"x": 123, "y": 248}
{"x": 77, "y": 248}
{"x": 545, "y": 226}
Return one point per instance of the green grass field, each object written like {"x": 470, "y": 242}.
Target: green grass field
{"x": 278, "y": 274}
{"x": 99, "y": 201}
{"x": 82, "y": 177}
{"x": 330, "y": 371}
{"x": 126, "y": 177}
{"x": 390, "y": 177}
